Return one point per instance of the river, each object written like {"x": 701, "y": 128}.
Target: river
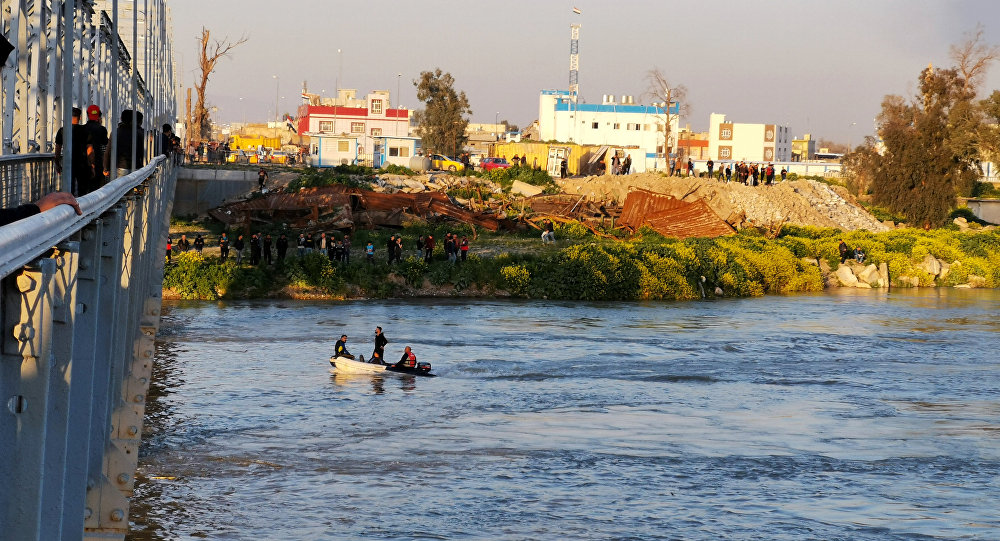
{"x": 853, "y": 415}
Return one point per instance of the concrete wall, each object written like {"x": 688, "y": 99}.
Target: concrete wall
{"x": 986, "y": 209}
{"x": 201, "y": 189}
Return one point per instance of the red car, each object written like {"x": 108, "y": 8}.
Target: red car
{"x": 489, "y": 164}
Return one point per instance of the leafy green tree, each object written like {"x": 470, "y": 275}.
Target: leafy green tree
{"x": 930, "y": 153}
{"x": 442, "y": 121}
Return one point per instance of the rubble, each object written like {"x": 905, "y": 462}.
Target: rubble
{"x": 799, "y": 202}
{"x": 341, "y": 207}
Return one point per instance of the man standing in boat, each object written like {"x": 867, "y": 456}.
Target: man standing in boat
{"x": 340, "y": 350}
{"x": 380, "y": 343}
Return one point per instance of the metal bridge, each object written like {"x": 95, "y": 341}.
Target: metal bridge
{"x": 79, "y": 294}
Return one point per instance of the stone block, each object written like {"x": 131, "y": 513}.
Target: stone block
{"x": 846, "y": 276}
{"x": 930, "y": 265}
{"x": 870, "y": 275}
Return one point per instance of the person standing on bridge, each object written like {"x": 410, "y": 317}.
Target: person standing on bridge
{"x": 99, "y": 140}
{"x": 81, "y": 156}
{"x": 131, "y": 122}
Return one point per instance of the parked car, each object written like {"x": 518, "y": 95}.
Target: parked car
{"x": 489, "y": 164}
{"x": 442, "y": 162}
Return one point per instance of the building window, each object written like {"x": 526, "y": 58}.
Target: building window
{"x": 725, "y": 153}
{"x": 393, "y": 152}
{"x": 376, "y": 132}
{"x": 401, "y": 152}
{"x": 357, "y": 127}
{"x": 726, "y": 133}
{"x": 325, "y": 125}
{"x": 618, "y": 126}
{"x": 594, "y": 125}
{"x": 376, "y": 107}
{"x": 645, "y": 127}
{"x": 343, "y": 146}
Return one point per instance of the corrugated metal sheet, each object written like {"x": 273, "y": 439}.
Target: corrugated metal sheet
{"x": 672, "y": 217}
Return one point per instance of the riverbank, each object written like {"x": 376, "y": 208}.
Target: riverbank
{"x": 581, "y": 266}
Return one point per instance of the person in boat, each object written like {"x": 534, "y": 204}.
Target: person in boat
{"x": 408, "y": 360}
{"x": 378, "y": 355}
{"x": 340, "y": 350}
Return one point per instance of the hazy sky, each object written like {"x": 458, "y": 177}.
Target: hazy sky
{"x": 819, "y": 67}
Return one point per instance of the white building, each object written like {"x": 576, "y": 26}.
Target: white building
{"x": 623, "y": 124}
{"x": 366, "y": 120}
{"x": 747, "y": 142}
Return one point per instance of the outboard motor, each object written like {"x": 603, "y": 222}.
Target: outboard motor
{"x": 424, "y": 367}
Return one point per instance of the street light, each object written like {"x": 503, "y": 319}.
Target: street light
{"x": 340, "y": 70}
{"x": 243, "y": 113}
{"x": 395, "y": 123}
{"x": 277, "y": 82}
{"x": 496, "y": 122}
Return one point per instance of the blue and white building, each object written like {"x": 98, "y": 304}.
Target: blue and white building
{"x": 617, "y": 124}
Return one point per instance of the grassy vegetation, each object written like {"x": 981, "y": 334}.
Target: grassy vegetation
{"x": 584, "y": 267}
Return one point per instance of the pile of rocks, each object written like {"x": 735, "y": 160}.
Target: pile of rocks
{"x": 931, "y": 269}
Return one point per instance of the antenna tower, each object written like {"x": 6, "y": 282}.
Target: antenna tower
{"x": 574, "y": 60}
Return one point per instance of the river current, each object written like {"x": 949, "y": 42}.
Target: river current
{"x": 853, "y": 415}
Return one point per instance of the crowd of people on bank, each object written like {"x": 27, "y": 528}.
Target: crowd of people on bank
{"x": 263, "y": 248}
{"x": 751, "y": 174}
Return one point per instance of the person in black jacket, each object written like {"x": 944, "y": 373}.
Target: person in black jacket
{"x": 238, "y": 245}
{"x": 380, "y": 343}
{"x": 47, "y": 202}
{"x": 282, "y": 246}
{"x": 340, "y": 349}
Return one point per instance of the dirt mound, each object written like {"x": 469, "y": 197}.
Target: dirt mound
{"x": 799, "y": 202}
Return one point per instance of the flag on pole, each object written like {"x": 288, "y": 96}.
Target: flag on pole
{"x": 577, "y": 11}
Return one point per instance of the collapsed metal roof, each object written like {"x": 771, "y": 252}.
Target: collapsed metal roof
{"x": 672, "y": 217}
{"x": 342, "y": 207}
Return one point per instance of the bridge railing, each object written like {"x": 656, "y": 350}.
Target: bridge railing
{"x": 79, "y": 309}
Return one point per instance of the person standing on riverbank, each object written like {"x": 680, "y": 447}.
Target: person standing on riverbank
{"x": 267, "y": 249}
{"x": 282, "y": 246}
{"x": 428, "y": 248}
{"x": 238, "y": 246}
{"x": 378, "y": 354}
{"x": 224, "y": 247}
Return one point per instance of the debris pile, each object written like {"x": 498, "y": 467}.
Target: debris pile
{"x": 341, "y": 207}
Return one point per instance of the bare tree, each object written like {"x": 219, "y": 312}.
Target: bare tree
{"x": 211, "y": 52}
{"x": 973, "y": 57}
{"x": 664, "y": 95}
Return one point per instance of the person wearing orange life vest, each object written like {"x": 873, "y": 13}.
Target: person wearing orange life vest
{"x": 408, "y": 360}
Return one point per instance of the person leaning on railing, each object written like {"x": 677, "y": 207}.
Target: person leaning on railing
{"x": 47, "y": 202}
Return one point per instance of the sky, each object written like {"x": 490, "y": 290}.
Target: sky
{"x": 817, "y": 67}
